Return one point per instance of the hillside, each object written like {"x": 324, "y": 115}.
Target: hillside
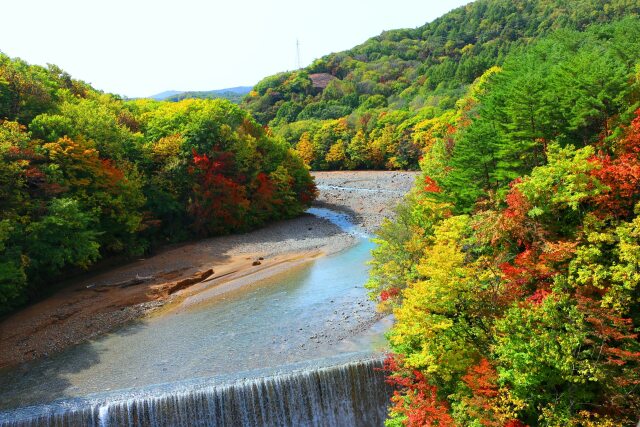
{"x": 233, "y": 94}
{"x": 513, "y": 268}
{"x": 85, "y": 175}
{"x": 365, "y": 113}
{"x": 164, "y": 95}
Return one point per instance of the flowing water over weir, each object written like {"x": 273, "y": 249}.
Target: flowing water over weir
{"x": 351, "y": 394}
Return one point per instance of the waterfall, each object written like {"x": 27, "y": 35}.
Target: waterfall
{"x": 351, "y": 394}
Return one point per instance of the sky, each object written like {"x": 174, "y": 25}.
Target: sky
{"x": 142, "y": 47}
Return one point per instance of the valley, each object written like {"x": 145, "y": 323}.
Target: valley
{"x": 304, "y": 300}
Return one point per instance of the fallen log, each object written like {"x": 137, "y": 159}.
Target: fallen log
{"x": 132, "y": 282}
{"x": 124, "y": 284}
{"x": 185, "y": 283}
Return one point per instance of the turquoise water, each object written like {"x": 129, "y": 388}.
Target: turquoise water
{"x": 313, "y": 312}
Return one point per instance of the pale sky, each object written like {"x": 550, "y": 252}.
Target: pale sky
{"x": 142, "y": 47}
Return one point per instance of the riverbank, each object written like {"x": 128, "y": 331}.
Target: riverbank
{"x": 99, "y": 303}
{"x": 367, "y": 196}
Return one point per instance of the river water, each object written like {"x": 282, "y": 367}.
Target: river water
{"x": 308, "y": 319}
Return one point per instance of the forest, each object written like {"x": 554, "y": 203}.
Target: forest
{"x": 512, "y": 269}
{"x": 370, "y": 107}
{"x": 86, "y": 176}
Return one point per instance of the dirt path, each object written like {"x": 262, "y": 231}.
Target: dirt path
{"x": 102, "y": 302}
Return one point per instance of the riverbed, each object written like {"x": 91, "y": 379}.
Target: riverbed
{"x": 306, "y": 309}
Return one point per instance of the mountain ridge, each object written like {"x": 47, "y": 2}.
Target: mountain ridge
{"x": 173, "y": 95}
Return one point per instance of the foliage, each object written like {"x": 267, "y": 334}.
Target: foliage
{"x": 384, "y": 87}
{"x": 85, "y": 175}
{"x": 512, "y": 269}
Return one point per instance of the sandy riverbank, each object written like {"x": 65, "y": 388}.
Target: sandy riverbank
{"x": 102, "y": 302}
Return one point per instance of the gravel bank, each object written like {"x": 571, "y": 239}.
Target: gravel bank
{"x": 368, "y": 197}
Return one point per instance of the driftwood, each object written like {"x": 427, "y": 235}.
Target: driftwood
{"x": 185, "y": 283}
{"x": 221, "y": 275}
{"x": 124, "y": 284}
{"x": 172, "y": 288}
{"x": 132, "y": 282}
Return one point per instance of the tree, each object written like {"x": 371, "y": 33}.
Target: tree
{"x": 305, "y": 149}
{"x": 13, "y": 278}
{"x": 357, "y": 150}
{"x": 337, "y": 155}
{"x": 219, "y": 204}
{"x": 64, "y": 237}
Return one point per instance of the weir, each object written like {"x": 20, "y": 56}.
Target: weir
{"x": 349, "y": 394}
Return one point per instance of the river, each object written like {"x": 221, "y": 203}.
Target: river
{"x": 305, "y": 328}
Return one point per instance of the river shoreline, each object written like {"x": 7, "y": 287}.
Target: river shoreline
{"x": 197, "y": 271}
